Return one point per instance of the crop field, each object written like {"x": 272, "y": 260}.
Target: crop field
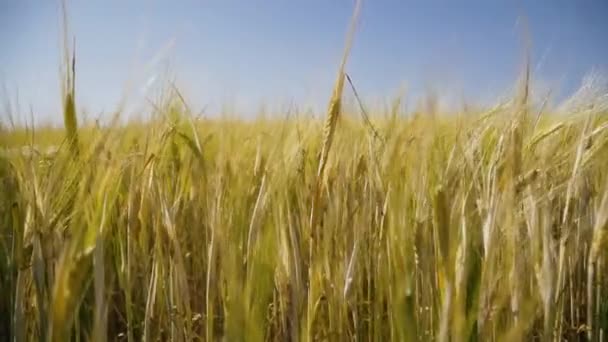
{"x": 484, "y": 225}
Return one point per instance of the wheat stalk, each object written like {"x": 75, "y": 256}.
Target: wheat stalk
{"x": 600, "y": 232}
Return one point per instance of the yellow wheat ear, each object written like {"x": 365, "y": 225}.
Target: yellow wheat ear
{"x": 335, "y": 102}
{"x": 333, "y": 112}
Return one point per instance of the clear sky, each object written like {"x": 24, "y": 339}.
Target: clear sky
{"x": 278, "y": 51}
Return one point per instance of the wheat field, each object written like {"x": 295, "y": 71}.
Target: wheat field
{"x": 485, "y": 225}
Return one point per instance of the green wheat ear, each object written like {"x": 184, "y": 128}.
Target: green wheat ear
{"x": 69, "y": 118}
{"x": 69, "y": 97}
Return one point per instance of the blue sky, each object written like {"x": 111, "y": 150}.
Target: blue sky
{"x": 281, "y": 51}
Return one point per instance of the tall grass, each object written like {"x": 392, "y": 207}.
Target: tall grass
{"x": 490, "y": 225}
